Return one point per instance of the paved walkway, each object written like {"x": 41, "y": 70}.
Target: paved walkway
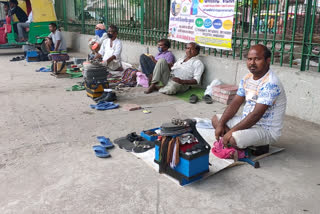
{"x": 47, "y": 164}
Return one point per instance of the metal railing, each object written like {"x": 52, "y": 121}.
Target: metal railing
{"x": 290, "y": 28}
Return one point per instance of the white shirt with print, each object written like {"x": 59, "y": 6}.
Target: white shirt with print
{"x": 267, "y": 90}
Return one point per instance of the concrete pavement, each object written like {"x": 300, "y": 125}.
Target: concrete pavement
{"x": 47, "y": 164}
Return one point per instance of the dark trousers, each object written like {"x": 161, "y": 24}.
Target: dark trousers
{"x": 147, "y": 64}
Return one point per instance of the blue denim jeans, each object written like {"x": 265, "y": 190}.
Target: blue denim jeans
{"x": 147, "y": 64}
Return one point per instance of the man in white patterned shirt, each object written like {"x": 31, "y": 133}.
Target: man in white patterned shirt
{"x": 184, "y": 73}
{"x": 265, "y": 104}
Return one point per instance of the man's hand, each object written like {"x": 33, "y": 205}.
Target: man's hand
{"x": 111, "y": 59}
{"x": 108, "y": 61}
{"x": 226, "y": 138}
{"x": 177, "y": 80}
{"x": 153, "y": 59}
{"x": 220, "y": 131}
{"x": 97, "y": 56}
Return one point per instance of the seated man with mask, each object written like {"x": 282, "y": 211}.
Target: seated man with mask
{"x": 148, "y": 62}
{"x": 185, "y": 72}
{"x": 110, "y": 50}
{"x": 96, "y": 41}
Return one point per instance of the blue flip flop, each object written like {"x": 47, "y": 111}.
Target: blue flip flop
{"x": 101, "y": 152}
{"x": 105, "y": 142}
{"x": 103, "y": 105}
{"x": 43, "y": 69}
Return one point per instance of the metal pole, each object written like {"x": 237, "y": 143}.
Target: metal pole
{"x": 258, "y": 22}
{"x": 65, "y": 21}
{"x": 265, "y": 37}
{"x": 284, "y": 29}
{"x": 306, "y": 36}
{"x": 106, "y": 13}
{"x": 82, "y": 17}
{"x": 293, "y": 33}
{"x": 274, "y": 33}
{"x": 235, "y": 32}
{"x": 314, "y": 9}
{"x": 142, "y": 22}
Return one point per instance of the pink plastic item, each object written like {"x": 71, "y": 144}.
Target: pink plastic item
{"x": 142, "y": 80}
{"x": 3, "y": 38}
{"x": 225, "y": 153}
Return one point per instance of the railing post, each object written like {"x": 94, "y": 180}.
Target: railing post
{"x": 82, "y": 17}
{"x": 142, "y": 21}
{"x": 306, "y": 32}
{"x": 65, "y": 21}
{"x": 106, "y": 15}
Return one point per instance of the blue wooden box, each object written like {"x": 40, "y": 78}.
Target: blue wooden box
{"x": 190, "y": 167}
{"x": 148, "y": 137}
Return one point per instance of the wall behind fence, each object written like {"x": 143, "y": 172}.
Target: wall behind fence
{"x": 301, "y": 87}
{"x": 290, "y": 28}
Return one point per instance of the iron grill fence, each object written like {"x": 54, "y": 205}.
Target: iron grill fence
{"x": 290, "y": 28}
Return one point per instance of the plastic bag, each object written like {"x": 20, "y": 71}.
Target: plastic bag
{"x": 142, "y": 80}
{"x": 215, "y": 82}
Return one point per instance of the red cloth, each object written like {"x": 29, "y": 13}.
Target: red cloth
{"x": 8, "y": 20}
{"x": 28, "y": 4}
{"x": 3, "y": 36}
{"x": 7, "y": 26}
{"x": 184, "y": 147}
{"x": 225, "y": 153}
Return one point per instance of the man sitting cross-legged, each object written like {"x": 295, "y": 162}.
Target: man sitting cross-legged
{"x": 265, "y": 104}
{"x": 185, "y": 72}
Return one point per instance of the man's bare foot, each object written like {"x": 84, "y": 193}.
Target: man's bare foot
{"x": 151, "y": 89}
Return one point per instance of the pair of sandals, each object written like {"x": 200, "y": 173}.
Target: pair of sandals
{"x": 18, "y": 58}
{"x": 134, "y": 143}
{"x": 101, "y": 150}
{"x": 44, "y": 69}
{"x": 194, "y": 99}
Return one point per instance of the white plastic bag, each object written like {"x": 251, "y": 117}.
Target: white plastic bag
{"x": 215, "y": 82}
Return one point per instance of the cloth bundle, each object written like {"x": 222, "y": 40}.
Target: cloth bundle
{"x": 58, "y": 56}
{"x": 226, "y": 153}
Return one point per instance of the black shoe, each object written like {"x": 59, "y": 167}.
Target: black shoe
{"x": 111, "y": 96}
{"x": 207, "y": 98}
{"x": 193, "y": 99}
{"x": 104, "y": 94}
{"x": 134, "y": 137}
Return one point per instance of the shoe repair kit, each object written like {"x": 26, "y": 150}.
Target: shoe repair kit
{"x": 95, "y": 78}
{"x": 180, "y": 150}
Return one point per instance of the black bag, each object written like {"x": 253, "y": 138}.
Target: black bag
{"x": 43, "y": 56}
{"x": 95, "y": 88}
{"x": 95, "y": 71}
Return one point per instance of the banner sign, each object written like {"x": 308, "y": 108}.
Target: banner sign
{"x": 206, "y": 22}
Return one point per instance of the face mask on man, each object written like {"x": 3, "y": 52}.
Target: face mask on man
{"x": 160, "y": 49}
{"x": 100, "y": 32}
{"x": 110, "y": 35}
